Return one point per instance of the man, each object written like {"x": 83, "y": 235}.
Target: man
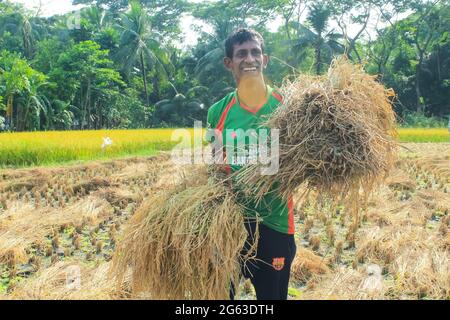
{"x": 245, "y": 108}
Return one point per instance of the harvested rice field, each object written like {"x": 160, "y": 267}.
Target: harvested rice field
{"x": 59, "y": 227}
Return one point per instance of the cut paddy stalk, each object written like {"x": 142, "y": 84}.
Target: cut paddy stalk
{"x": 184, "y": 242}
{"x": 337, "y": 137}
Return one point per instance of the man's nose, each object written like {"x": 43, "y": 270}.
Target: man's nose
{"x": 250, "y": 58}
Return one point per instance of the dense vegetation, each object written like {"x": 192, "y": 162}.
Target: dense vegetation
{"x": 118, "y": 64}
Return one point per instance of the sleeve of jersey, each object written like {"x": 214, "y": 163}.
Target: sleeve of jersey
{"x": 210, "y": 119}
{"x": 211, "y": 123}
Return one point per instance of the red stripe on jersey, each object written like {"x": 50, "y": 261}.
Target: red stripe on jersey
{"x": 221, "y": 123}
{"x": 253, "y": 111}
{"x": 220, "y": 127}
{"x": 291, "y": 228}
{"x": 277, "y": 96}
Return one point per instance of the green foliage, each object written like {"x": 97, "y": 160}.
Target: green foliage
{"x": 293, "y": 292}
{"x": 47, "y": 54}
{"x": 85, "y": 76}
{"x": 121, "y": 69}
{"x": 181, "y": 110}
{"x": 324, "y": 41}
{"x": 140, "y": 46}
{"x": 16, "y": 73}
{"x": 21, "y": 84}
{"x": 419, "y": 120}
{"x": 411, "y": 57}
{"x": 60, "y": 117}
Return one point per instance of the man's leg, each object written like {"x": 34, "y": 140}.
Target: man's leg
{"x": 232, "y": 290}
{"x": 270, "y": 271}
{"x": 266, "y": 282}
{"x": 284, "y": 279}
{"x": 250, "y": 226}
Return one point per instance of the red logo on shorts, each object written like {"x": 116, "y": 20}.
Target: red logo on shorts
{"x": 278, "y": 263}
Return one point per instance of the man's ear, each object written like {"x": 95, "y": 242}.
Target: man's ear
{"x": 227, "y": 63}
{"x": 265, "y": 60}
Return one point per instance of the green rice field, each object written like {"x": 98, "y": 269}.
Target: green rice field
{"x": 57, "y": 147}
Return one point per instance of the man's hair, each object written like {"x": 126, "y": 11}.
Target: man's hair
{"x": 239, "y": 36}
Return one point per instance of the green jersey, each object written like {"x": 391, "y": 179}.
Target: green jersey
{"x": 234, "y": 121}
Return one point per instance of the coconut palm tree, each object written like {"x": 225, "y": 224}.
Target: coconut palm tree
{"x": 96, "y": 16}
{"x": 182, "y": 108}
{"x": 317, "y": 35}
{"x": 139, "y": 45}
{"x": 29, "y": 28}
{"x": 209, "y": 69}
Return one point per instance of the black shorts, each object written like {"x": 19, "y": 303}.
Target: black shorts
{"x": 269, "y": 271}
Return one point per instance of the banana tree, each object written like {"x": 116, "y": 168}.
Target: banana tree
{"x": 15, "y": 74}
{"x": 34, "y": 104}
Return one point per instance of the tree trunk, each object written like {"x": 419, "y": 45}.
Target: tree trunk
{"x": 288, "y": 33}
{"x": 83, "y": 109}
{"x": 27, "y": 47}
{"x": 88, "y": 103}
{"x": 144, "y": 79}
{"x": 85, "y": 105}
{"x": 420, "y": 106}
{"x": 9, "y": 110}
{"x": 353, "y": 48}
{"x": 155, "y": 82}
{"x": 19, "y": 117}
{"x": 379, "y": 67}
{"x": 317, "y": 56}
{"x": 26, "y": 108}
{"x": 438, "y": 63}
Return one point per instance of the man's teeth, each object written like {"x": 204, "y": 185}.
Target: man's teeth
{"x": 250, "y": 69}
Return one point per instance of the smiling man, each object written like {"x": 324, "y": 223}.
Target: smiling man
{"x": 240, "y": 112}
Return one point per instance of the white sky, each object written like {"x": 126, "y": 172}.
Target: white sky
{"x": 49, "y": 7}
{"x": 52, "y": 7}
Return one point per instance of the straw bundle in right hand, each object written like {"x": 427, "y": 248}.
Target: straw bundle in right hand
{"x": 337, "y": 135}
{"x": 184, "y": 242}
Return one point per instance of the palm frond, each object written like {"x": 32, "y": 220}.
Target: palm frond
{"x": 210, "y": 60}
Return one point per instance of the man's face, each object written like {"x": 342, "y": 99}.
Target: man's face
{"x": 248, "y": 60}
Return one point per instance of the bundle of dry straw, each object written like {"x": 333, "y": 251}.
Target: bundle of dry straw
{"x": 337, "y": 135}
{"x": 184, "y": 242}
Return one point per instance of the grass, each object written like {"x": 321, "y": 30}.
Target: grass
{"x": 57, "y": 147}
